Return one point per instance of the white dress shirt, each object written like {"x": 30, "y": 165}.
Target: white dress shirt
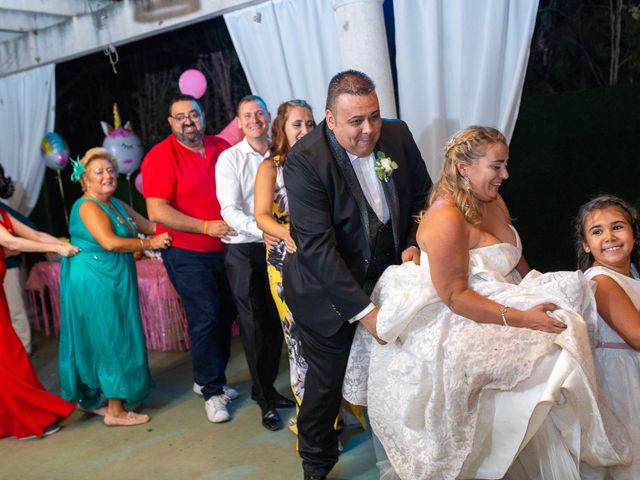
{"x": 236, "y": 171}
{"x": 372, "y": 188}
{"x": 371, "y": 185}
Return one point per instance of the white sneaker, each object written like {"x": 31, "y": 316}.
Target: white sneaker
{"x": 230, "y": 392}
{"x": 216, "y": 408}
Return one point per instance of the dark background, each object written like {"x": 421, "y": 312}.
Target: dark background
{"x": 575, "y": 136}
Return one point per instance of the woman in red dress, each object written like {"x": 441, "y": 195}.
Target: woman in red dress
{"x": 26, "y": 408}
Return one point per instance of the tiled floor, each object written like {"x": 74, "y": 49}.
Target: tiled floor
{"x": 179, "y": 442}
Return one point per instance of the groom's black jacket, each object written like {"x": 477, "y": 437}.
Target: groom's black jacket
{"x": 329, "y": 223}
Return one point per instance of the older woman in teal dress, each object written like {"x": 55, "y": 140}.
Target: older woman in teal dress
{"x": 102, "y": 346}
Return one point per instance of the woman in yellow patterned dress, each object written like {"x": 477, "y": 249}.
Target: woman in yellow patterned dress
{"x": 294, "y": 120}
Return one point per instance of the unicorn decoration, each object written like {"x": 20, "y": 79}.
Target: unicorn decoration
{"x": 123, "y": 144}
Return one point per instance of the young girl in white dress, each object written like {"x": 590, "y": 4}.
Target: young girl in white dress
{"x": 608, "y": 248}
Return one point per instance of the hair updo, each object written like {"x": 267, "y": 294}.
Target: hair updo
{"x": 96, "y": 153}
{"x": 465, "y": 147}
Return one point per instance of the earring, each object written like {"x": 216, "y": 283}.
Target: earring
{"x": 465, "y": 182}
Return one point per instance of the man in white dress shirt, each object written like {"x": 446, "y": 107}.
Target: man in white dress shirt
{"x": 245, "y": 258}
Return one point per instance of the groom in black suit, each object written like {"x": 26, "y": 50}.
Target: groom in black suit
{"x": 354, "y": 186}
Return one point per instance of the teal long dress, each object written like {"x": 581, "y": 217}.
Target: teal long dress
{"x": 103, "y": 354}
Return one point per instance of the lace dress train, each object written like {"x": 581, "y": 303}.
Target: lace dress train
{"x": 452, "y": 398}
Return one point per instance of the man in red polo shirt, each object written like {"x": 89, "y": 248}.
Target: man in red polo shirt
{"x": 180, "y": 190}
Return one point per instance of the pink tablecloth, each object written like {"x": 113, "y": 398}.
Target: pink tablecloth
{"x": 163, "y": 320}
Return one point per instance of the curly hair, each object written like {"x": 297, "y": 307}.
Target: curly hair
{"x": 6, "y": 184}
{"x": 279, "y": 145}
{"x": 585, "y": 259}
{"x": 466, "y": 147}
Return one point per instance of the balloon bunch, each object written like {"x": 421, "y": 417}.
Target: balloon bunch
{"x": 119, "y": 139}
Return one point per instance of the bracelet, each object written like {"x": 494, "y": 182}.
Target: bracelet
{"x": 141, "y": 244}
{"x": 206, "y": 224}
{"x": 503, "y": 315}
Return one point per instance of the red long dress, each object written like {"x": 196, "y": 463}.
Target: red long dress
{"x": 26, "y": 408}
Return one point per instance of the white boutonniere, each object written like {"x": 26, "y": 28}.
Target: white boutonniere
{"x": 384, "y": 166}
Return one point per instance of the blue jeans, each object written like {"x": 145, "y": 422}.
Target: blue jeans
{"x": 200, "y": 280}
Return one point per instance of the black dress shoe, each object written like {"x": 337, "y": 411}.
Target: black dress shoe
{"x": 271, "y": 420}
{"x": 314, "y": 477}
{"x": 280, "y": 401}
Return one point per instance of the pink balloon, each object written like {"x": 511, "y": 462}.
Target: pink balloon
{"x": 138, "y": 183}
{"x": 232, "y": 133}
{"x": 192, "y": 82}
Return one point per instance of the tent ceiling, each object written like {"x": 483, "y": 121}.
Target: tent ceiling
{"x": 37, "y": 32}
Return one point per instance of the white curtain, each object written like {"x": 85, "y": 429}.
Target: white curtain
{"x": 288, "y": 49}
{"x": 460, "y": 62}
{"x": 27, "y": 113}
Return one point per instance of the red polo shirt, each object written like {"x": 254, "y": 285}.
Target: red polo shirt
{"x": 188, "y": 181}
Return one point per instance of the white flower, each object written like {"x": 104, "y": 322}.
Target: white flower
{"x": 384, "y": 166}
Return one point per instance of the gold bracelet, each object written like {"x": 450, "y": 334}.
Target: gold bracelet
{"x": 141, "y": 245}
{"x": 503, "y": 314}
{"x": 206, "y": 224}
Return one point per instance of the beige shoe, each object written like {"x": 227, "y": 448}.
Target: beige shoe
{"x": 130, "y": 420}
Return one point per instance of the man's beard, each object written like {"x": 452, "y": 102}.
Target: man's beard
{"x": 192, "y": 139}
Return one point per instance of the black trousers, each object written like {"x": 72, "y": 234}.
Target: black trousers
{"x": 200, "y": 280}
{"x": 327, "y": 361}
{"x": 260, "y": 328}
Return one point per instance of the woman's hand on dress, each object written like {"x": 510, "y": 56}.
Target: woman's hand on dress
{"x": 66, "y": 250}
{"x": 220, "y": 229}
{"x": 161, "y": 241}
{"x": 539, "y": 318}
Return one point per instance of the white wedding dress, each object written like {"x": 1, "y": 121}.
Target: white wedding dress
{"x": 618, "y": 367}
{"x": 451, "y": 398}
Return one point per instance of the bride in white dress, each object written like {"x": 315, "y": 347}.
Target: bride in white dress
{"x": 481, "y": 376}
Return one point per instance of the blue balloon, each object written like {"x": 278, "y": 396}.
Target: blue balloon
{"x": 54, "y": 151}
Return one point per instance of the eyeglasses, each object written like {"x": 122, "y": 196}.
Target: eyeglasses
{"x": 193, "y": 115}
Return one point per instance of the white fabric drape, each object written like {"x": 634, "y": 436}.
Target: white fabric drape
{"x": 288, "y": 49}
{"x": 27, "y": 113}
{"x": 460, "y": 62}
